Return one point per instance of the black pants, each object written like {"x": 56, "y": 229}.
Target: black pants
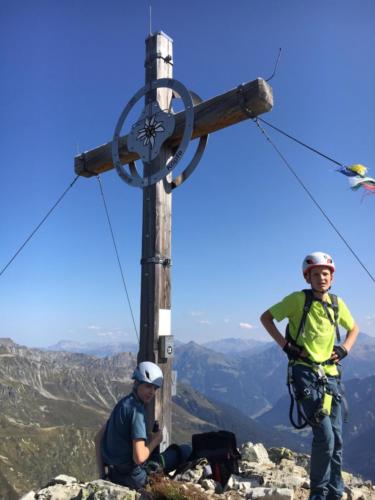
{"x": 135, "y": 476}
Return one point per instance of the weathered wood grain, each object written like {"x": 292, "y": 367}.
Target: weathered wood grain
{"x": 156, "y": 241}
{"x": 211, "y": 115}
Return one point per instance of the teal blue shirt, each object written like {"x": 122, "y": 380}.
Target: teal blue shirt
{"x": 126, "y": 423}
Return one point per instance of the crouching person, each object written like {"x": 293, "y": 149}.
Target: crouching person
{"x": 124, "y": 453}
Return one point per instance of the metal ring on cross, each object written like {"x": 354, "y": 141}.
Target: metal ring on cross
{"x": 178, "y": 180}
{"x": 151, "y": 131}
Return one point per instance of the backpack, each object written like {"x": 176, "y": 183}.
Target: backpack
{"x": 220, "y": 450}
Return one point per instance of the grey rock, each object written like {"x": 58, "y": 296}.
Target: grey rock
{"x": 363, "y": 493}
{"x": 284, "y": 478}
{"x": 105, "y": 490}
{"x": 191, "y": 475}
{"x": 241, "y": 484}
{"x": 67, "y": 488}
{"x": 31, "y": 495}
{"x": 60, "y": 492}
{"x": 62, "y": 479}
{"x": 208, "y": 484}
{"x": 277, "y": 454}
{"x": 271, "y": 494}
{"x": 287, "y": 475}
{"x": 254, "y": 453}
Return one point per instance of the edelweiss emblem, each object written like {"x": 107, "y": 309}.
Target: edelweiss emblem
{"x": 149, "y": 131}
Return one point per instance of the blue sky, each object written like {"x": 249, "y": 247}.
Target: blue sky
{"x": 241, "y": 223}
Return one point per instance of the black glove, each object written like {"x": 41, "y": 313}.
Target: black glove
{"x": 340, "y": 351}
{"x": 292, "y": 351}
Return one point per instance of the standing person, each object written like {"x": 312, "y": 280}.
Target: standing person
{"x": 313, "y": 361}
{"x": 122, "y": 446}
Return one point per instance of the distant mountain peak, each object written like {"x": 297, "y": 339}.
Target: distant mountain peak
{"x": 233, "y": 345}
{"x": 6, "y": 341}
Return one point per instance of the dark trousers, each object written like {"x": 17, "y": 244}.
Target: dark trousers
{"x": 131, "y": 475}
{"x": 135, "y": 476}
{"x": 326, "y": 451}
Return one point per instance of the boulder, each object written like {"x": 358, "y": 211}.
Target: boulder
{"x": 271, "y": 494}
{"x": 283, "y": 478}
{"x": 254, "y": 453}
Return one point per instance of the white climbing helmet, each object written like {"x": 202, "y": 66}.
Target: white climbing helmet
{"x": 148, "y": 372}
{"x": 317, "y": 259}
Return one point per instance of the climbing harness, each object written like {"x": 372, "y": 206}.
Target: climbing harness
{"x": 320, "y": 384}
{"x": 325, "y": 397}
{"x": 309, "y": 298}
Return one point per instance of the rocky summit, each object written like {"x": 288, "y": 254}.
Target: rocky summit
{"x": 272, "y": 474}
{"x": 53, "y": 403}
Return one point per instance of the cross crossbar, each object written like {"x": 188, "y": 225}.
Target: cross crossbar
{"x": 246, "y": 101}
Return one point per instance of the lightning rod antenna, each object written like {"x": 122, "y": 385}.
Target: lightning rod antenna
{"x": 275, "y": 68}
{"x": 150, "y": 19}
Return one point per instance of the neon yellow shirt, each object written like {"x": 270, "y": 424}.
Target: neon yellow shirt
{"x": 318, "y": 337}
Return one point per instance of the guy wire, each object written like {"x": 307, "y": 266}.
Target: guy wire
{"x": 117, "y": 256}
{"x": 301, "y": 143}
{"x": 39, "y": 225}
{"x": 256, "y": 120}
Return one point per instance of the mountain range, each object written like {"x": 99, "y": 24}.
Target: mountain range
{"x": 254, "y": 381}
{"x": 109, "y": 346}
{"x": 54, "y": 402}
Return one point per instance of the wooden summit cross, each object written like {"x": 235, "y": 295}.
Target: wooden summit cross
{"x": 246, "y": 101}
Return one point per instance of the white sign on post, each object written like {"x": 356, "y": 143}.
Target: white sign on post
{"x": 164, "y": 322}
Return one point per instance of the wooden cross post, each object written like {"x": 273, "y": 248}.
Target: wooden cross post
{"x": 156, "y": 248}
{"x": 246, "y": 101}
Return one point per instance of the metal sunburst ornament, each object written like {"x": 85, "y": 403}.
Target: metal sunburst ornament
{"x": 148, "y": 133}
